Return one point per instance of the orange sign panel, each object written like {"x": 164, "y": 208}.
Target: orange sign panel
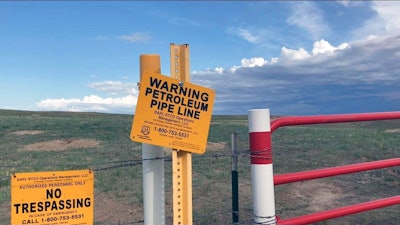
{"x": 172, "y": 114}
{"x": 52, "y": 198}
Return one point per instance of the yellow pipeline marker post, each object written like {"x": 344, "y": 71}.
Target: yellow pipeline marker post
{"x": 181, "y": 160}
{"x": 149, "y": 63}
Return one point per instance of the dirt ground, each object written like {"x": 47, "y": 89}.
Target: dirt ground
{"x": 27, "y": 132}
{"x": 55, "y": 145}
{"x": 393, "y": 131}
{"x": 61, "y": 145}
{"x": 122, "y": 212}
{"x": 319, "y": 195}
{"x": 216, "y": 146}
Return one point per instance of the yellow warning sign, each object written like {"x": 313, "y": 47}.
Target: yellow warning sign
{"x": 52, "y": 198}
{"x": 172, "y": 114}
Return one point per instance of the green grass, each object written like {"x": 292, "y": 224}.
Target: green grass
{"x": 294, "y": 149}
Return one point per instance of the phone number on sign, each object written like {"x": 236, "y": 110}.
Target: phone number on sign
{"x": 63, "y": 218}
{"x": 171, "y": 132}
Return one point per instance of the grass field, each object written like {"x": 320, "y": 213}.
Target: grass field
{"x": 46, "y": 141}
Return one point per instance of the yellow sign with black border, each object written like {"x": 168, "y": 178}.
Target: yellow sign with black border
{"x": 172, "y": 114}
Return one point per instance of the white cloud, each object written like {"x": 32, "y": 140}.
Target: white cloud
{"x": 247, "y": 34}
{"x": 57, "y": 104}
{"x": 123, "y": 101}
{"x": 142, "y": 37}
{"x": 219, "y": 70}
{"x": 308, "y": 17}
{"x": 388, "y": 11}
{"x": 256, "y": 61}
{"x": 322, "y": 46}
{"x": 90, "y": 103}
{"x": 291, "y": 54}
{"x": 385, "y": 22}
{"x": 245, "y": 63}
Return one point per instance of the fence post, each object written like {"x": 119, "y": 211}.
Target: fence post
{"x": 261, "y": 167}
{"x": 235, "y": 179}
{"x": 153, "y": 163}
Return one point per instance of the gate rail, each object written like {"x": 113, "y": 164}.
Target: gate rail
{"x": 263, "y": 179}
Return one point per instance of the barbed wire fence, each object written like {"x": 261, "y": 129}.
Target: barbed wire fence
{"x": 118, "y": 187}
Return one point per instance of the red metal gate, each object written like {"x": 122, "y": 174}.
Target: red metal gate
{"x": 260, "y": 131}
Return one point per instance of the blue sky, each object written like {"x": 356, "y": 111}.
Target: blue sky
{"x": 294, "y": 57}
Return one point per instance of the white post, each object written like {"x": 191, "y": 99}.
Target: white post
{"x": 153, "y": 184}
{"x": 261, "y": 167}
{"x": 153, "y": 162}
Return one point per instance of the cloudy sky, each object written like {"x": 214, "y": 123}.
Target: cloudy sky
{"x": 296, "y": 58}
